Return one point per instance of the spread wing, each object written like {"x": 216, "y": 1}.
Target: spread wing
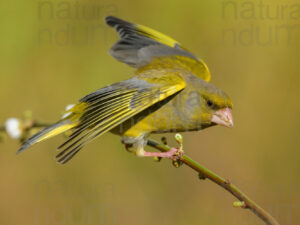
{"x": 108, "y": 107}
{"x": 140, "y": 46}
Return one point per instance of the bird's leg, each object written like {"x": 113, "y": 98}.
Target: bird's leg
{"x": 169, "y": 154}
{"x": 173, "y": 153}
{"x": 127, "y": 146}
{"x": 164, "y": 141}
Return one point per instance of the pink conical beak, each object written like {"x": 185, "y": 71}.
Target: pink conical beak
{"x": 223, "y": 117}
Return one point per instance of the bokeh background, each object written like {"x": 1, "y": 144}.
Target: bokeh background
{"x": 55, "y": 52}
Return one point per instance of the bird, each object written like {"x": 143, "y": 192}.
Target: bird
{"x": 169, "y": 92}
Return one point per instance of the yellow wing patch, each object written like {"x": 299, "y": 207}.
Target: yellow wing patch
{"x": 198, "y": 68}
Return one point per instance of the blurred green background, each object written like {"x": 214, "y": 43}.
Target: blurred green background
{"x": 55, "y": 52}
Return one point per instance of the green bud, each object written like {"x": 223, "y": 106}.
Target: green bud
{"x": 179, "y": 138}
{"x": 239, "y": 204}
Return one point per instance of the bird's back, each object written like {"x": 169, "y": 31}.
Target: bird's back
{"x": 178, "y": 113}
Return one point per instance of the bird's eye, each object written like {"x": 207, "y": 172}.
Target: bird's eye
{"x": 210, "y": 103}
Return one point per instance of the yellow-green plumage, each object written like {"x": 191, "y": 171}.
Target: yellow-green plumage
{"x": 169, "y": 93}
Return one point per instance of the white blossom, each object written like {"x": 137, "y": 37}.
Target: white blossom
{"x": 68, "y": 108}
{"x": 13, "y": 128}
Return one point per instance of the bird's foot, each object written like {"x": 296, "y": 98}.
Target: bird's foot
{"x": 178, "y": 154}
{"x": 174, "y": 153}
{"x": 128, "y": 146}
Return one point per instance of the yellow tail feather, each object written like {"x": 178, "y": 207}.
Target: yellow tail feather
{"x": 48, "y": 132}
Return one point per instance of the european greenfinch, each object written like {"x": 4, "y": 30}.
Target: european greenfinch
{"x": 170, "y": 92}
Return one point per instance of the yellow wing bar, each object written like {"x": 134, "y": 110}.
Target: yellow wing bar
{"x": 153, "y": 34}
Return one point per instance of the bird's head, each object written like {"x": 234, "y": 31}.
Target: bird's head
{"x": 216, "y": 106}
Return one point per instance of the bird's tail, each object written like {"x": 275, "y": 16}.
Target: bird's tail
{"x": 48, "y": 132}
{"x": 69, "y": 120}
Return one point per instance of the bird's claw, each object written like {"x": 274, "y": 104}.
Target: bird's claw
{"x": 174, "y": 154}
{"x": 127, "y": 147}
{"x": 177, "y": 154}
